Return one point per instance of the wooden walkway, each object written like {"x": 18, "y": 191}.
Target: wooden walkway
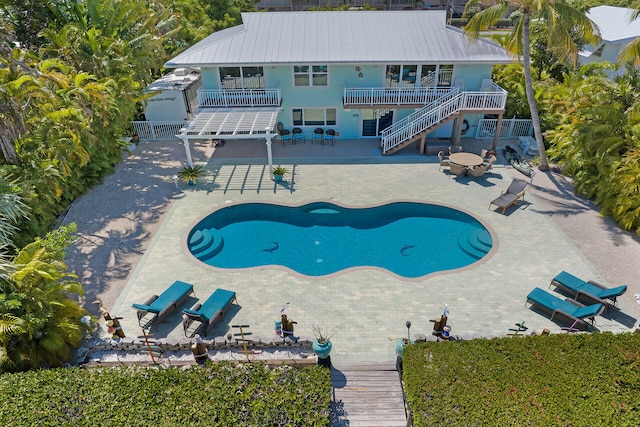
{"x": 367, "y": 394}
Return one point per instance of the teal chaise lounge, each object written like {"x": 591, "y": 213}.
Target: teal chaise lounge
{"x": 572, "y": 311}
{"x": 208, "y": 313}
{"x": 591, "y": 291}
{"x": 156, "y": 308}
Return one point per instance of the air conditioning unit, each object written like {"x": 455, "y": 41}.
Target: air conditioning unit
{"x": 180, "y": 72}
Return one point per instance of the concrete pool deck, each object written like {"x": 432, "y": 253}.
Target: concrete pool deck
{"x": 132, "y": 228}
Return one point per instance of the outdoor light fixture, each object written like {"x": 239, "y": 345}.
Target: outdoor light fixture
{"x": 408, "y": 329}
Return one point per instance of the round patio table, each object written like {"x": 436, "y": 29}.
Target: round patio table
{"x": 466, "y": 159}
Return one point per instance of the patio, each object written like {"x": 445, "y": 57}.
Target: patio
{"x": 368, "y": 308}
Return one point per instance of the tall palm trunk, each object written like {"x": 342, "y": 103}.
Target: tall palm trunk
{"x": 531, "y": 99}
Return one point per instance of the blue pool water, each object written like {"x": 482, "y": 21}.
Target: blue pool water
{"x": 406, "y": 238}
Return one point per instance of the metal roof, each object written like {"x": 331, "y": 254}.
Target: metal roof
{"x": 615, "y": 23}
{"x": 232, "y": 123}
{"x": 341, "y": 37}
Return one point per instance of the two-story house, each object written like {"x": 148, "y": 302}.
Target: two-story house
{"x": 398, "y": 76}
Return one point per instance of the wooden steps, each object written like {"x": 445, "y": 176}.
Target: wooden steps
{"x": 367, "y": 394}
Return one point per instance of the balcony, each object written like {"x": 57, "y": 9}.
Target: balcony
{"x": 386, "y": 96}
{"x": 239, "y": 98}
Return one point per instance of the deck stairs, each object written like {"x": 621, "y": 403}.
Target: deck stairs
{"x": 435, "y": 114}
{"x": 367, "y": 394}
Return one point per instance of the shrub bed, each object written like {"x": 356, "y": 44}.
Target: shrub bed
{"x": 564, "y": 379}
{"x": 216, "y": 395}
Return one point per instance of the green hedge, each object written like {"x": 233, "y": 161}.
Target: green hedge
{"x": 217, "y": 395}
{"x": 564, "y": 379}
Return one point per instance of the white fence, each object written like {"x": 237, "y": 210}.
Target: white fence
{"x": 509, "y": 128}
{"x": 159, "y": 130}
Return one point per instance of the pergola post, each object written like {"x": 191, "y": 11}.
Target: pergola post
{"x": 185, "y": 141}
{"x": 269, "y": 155}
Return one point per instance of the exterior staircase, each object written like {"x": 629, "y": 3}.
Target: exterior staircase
{"x": 435, "y": 114}
{"x": 367, "y": 394}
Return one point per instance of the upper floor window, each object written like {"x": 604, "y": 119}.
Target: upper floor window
{"x": 436, "y": 75}
{"x": 310, "y": 75}
{"x": 241, "y": 78}
{"x": 401, "y": 75}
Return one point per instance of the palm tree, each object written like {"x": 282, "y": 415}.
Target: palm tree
{"x": 631, "y": 52}
{"x": 562, "y": 21}
{"x": 42, "y": 322}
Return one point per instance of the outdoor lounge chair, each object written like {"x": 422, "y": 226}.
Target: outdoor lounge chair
{"x": 572, "y": 311}
{"x": 591, "y": 291}
{"x": 510, "y": 196}
{"x": 156, "y": 308}
{"x": 207, "y": 314}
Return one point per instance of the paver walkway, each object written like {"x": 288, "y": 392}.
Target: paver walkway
{"x": 367, "y": 395}
{"x": 133, "y": 226}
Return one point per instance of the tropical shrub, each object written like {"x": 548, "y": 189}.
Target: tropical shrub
{"x": 216, "y": 395}
{"x": 562, "y": 379}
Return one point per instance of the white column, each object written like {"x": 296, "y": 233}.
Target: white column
{"x": 269, "y": 156}
{"x": 185, "y": 141}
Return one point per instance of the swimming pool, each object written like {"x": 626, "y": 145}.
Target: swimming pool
{"x": 408, "y": 239}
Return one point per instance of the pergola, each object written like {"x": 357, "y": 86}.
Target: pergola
{"x": 231, "y": 123}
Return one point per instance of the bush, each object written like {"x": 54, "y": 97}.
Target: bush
{"x": 216, "y": 395}
{"x": 563, "y": 379}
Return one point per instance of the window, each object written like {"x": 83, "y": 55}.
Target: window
{"x": 401, "y": 75}
{"x": 310, "y": 75}
{"x": 241, "y": 78}
{"x": 436, "y": 75}
{"x": 314, "y": 116}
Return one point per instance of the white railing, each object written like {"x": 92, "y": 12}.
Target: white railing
{"x": 392, "y": 96}
{"x": 450, "y": 94}
{"x": 437, "y": 112}
{"x": 509, "y": 128}
{"x": 159, "y": 130}
{"x": 239, "y": 98}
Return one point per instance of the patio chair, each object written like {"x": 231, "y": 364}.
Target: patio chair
{"x": 298, "y": 135}
{"x": 478, "y": 171}
{"x": 443, "y": 162}
{"x": 156, "y": 308}
{"x": 285, "y": 135}
{"x": 490, "y": 161}
{"x": 483, "y": 153}
{"x": 455, "y": 149}
{"x": 318, "y": 135}
{"x": 590, "y": 291}
{"x": 571, "y": 310}
{"x": 206, "y": 315}
{"x": 330, "y": 135}
{"x": 510, "y": 195}
{"x": 457, "y": 170}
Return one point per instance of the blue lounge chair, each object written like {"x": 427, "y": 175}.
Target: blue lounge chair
{"x": 573, "y": 311}
{"x": 591, "y": 291}
{"x": 207, "y": 314}
{"x": 156, "y": 308}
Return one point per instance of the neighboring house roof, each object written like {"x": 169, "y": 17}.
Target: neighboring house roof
{"x": 615, "y": 23}
{"x": 341, "y": 37}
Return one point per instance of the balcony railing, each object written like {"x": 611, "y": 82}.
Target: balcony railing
{"x": 393, "y": 96}
{"x": 239, "y": 98}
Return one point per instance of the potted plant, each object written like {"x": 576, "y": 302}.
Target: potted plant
{"x": 190, "y": 174}
{"x": 278, "y": 173}
{"x": 322, "y": 344}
